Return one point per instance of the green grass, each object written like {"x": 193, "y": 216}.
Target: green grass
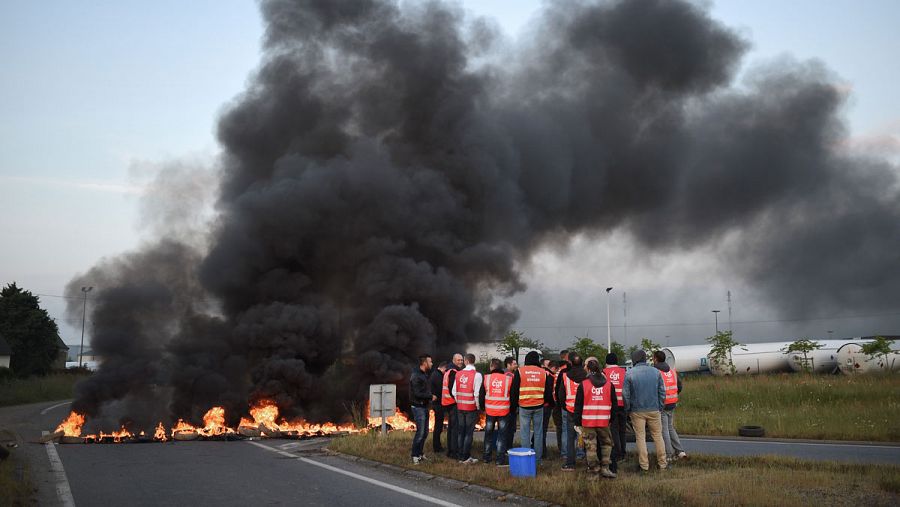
{"x": 700, "y": 480}
{"x": 863, "y": 407}
{"x": 15, "y": 482}
{"x": 57, "y": 386}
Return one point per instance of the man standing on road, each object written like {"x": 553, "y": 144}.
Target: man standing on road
{"x": 420, "y": 399}
{"x": 672, "y": 383}
{"x": 512, "y": 419}
{"x": 532, "y": 389}
{"x": 449, "y": 404}
{"x": 594, "y": 400}
{"x": 466, "y": 391}
{"x": 616, "y": 375}
{"x": 645, "y": 397}
{"x": 435, "y": 380}
{"x": 496, "y": 409}
{"x": 566, "y": 388}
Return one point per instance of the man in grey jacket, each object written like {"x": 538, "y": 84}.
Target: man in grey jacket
{"x": 645, "y": 397}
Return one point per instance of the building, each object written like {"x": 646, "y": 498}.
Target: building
{"x": 62, "y": 354}
{"x": 484, "y": 352}
{"x": 5, "y": 353}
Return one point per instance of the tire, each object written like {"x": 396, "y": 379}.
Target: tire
{"x": 752, "y": 431}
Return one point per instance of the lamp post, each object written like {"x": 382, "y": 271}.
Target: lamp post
{"x": 608, "y": 332}
{"x": 716, "y": 313}
{"x": 85, "y": 290}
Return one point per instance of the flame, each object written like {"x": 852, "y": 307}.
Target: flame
{"x": 71, "y": 426}
{"x": 265, "y": 416}
{"x": 182, "y": 427}
{"x": 160, "y": 433}
{"x": 214, "y": 423}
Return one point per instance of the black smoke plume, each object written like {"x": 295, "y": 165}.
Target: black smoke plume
{"x": 389, "y": 170}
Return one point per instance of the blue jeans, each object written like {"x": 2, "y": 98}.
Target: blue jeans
{"x": 532, "y": 419}
{"x": 420, "y": 417}
{"x": 564, "y": 429}
{"x": 495, "y": 439}
{"x": 465, "y": 427}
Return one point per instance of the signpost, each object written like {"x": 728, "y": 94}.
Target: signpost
{"x": 382, "y": 403}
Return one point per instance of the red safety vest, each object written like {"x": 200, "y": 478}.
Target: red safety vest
{"x": 555, "y": 380}
{"x": 533, "y": 380}
{"x": 496, "y": 398}
{"x": 670, "y": 380}
{"x": 616, "y": 376}
{"x": 465, "y": 390}
{"x": 597, "y": 404}
{"x": 571, "y": 390}
{"x": 446, "y": 395}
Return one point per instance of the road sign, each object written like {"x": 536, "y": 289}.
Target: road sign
{"x": 382, "y": 402}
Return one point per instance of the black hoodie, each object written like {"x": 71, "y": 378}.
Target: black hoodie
{"x": 575, "y": 373}
{"x": 598, "y": 381}
{"x": 664, "y": 366}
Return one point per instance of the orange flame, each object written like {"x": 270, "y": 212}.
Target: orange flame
{"x": 160, "y": 433}
{"x": 182, "y": 427}
{"x": 71, "y": 426}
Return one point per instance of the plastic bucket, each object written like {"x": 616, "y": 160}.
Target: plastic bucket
{"x": 522, "y": 462}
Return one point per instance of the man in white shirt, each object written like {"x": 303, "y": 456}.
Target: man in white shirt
{"x": 467, "y": 391}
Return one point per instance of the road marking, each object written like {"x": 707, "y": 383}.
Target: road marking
{"x": 59, "y": 474}
{"x": 865, "y": 446}
{"x": 363, "y": 478}
{"x": 44, "y": 412}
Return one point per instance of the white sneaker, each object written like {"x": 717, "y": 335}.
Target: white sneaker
{"x": 416, "y": 460}
{"x": 470, "y": 461}
{"x": 682, "y": 455}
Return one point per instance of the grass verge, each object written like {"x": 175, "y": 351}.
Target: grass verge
{"x": 57, "y": 386}
{"x": 863, "y": 407}
{"x": 700, "y": 480}
{"x": 15, "y": 482}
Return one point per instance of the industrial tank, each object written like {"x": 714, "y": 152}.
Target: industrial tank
{"x": 688, "y": 358}
{"x": 823, "y": 360}
{"x": 754, "y": 358}
{"x": 851, "y": 360}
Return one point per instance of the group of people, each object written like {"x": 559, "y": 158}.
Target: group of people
{"x": 588, "y": 402}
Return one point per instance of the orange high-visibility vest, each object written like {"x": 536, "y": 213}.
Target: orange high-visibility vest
{"x": 465, "y": 390}
{"x": 670, "y": 380}
{"x": 571, "y": 390}
{"x": 446, "y": 395}
{"x": 616, "y": 376}
{"x": 597, "y": 404}
{"x": 533, "y": 380}
{"x": 496, "y": 398}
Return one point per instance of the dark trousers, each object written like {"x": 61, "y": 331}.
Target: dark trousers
{"x": 617, "y": 428}
{"x": 438, "y": 426}
{"x": 494, "y": 438}
{"x": 547, "y": 413}
{"x": 420, "y": 417}
{"x": 571, "y": 437}
{"x": 465, "y": 430}
{"x": 450, "y": 411}
{"x": 511, "y": 421}
{"x": 557, "y": 423}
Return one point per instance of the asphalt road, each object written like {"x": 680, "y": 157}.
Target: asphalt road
{"x": 273, "y": 472}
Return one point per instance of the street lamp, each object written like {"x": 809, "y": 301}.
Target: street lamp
{"x": 85, "y": 290}
{"x": 716, "y": 312}
{"x": 608, "y": 332}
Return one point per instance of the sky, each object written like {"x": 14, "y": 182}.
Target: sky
{"x": 97, "y": 96}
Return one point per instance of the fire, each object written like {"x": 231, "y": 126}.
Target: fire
{"x": 71, "y": 426}
{"x": 160, "y": 433}
{"x": 214, "y": 423}
{"x": 182, "y": 427}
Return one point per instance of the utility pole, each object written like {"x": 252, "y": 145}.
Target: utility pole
{"x": 729, "y": 313}
{"x": 85, "y": 290}
{"x": 625, "y": 315}
{"x": 608, "y": 329}
{"x": 716, "y": 313}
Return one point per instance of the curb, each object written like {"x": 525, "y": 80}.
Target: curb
{"x": 792, "y": 440}
{"x": 483, "y": 491}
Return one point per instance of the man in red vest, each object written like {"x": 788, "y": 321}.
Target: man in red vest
{"x": 511, "y": 365}
{"x": 616, "y": 375}
{"x": 594, "y": 401}
{"x": 532, "y": 389}
{"x": 672, "y": 384}
{"x": 496, "y": 408}
{"x": 466, "y": 391}
{"x": 566, "y": 388}
{"x": 449, "y": 404}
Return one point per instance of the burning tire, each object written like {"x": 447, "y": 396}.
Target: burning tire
{"x": 71, "y": 440}
{"x": 247, "y": 431}
{"x": 186, "y": 435}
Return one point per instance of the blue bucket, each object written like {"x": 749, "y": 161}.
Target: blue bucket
{"x": 522, "y": 462}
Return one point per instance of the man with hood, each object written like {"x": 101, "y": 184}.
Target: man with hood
{"x": 566, "y": 388}
{"x": 645, "y": 396}
{"x": 672, "y": 382}
{"x": 532, "y": 389}
{"x": 496, "y": 408}
{"x": 594, "y": 400}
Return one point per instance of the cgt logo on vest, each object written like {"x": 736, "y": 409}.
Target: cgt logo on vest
{"x": 463, "y": 380}
{"x": 668, "y": 375}
{"x": 614, "y": 376}
{"x": 497, "y": 384}
{"x": 597, "y": 391}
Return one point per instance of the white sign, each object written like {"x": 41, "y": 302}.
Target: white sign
{"x": 382, "y": 400}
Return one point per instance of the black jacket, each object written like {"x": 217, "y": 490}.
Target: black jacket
{"x": 419, "y": 390}
{"x": 596, "y": 381}
{"x": 665, "y": 367}
{"x": 531, "y": 360}
{"x": 436, "y": 382}
{"x": 576, "y": 373}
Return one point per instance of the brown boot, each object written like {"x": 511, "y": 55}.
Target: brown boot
{"x": 607, "y": 473}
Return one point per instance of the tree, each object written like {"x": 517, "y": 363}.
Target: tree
{"x": 649, "y": 345}
{"x": 514, "y": 341}
{"x": 585, "y": 347}
{"x": 880, "y": 347}
{"x": 720, "y": 353}
{"x": 29, "y": 330}
{"x": 804, "y": 346}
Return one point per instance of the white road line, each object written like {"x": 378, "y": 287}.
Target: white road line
{"x": 44, "y": 412}
{"x": 864, "y": 446}
{"x": 357, "y": 476}
{"x": 59, "y": 475}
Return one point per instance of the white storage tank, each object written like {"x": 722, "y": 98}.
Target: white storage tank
{"x": 688, "y": 358}
{"x": 754, "y": 358}
{"x": 851, "y": 360}
{"x": 822, "y": 360}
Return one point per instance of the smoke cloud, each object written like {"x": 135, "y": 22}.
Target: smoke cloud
{"x": 386, "y": 176}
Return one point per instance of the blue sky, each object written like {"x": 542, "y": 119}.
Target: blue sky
{"x": 95, "y": 95}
